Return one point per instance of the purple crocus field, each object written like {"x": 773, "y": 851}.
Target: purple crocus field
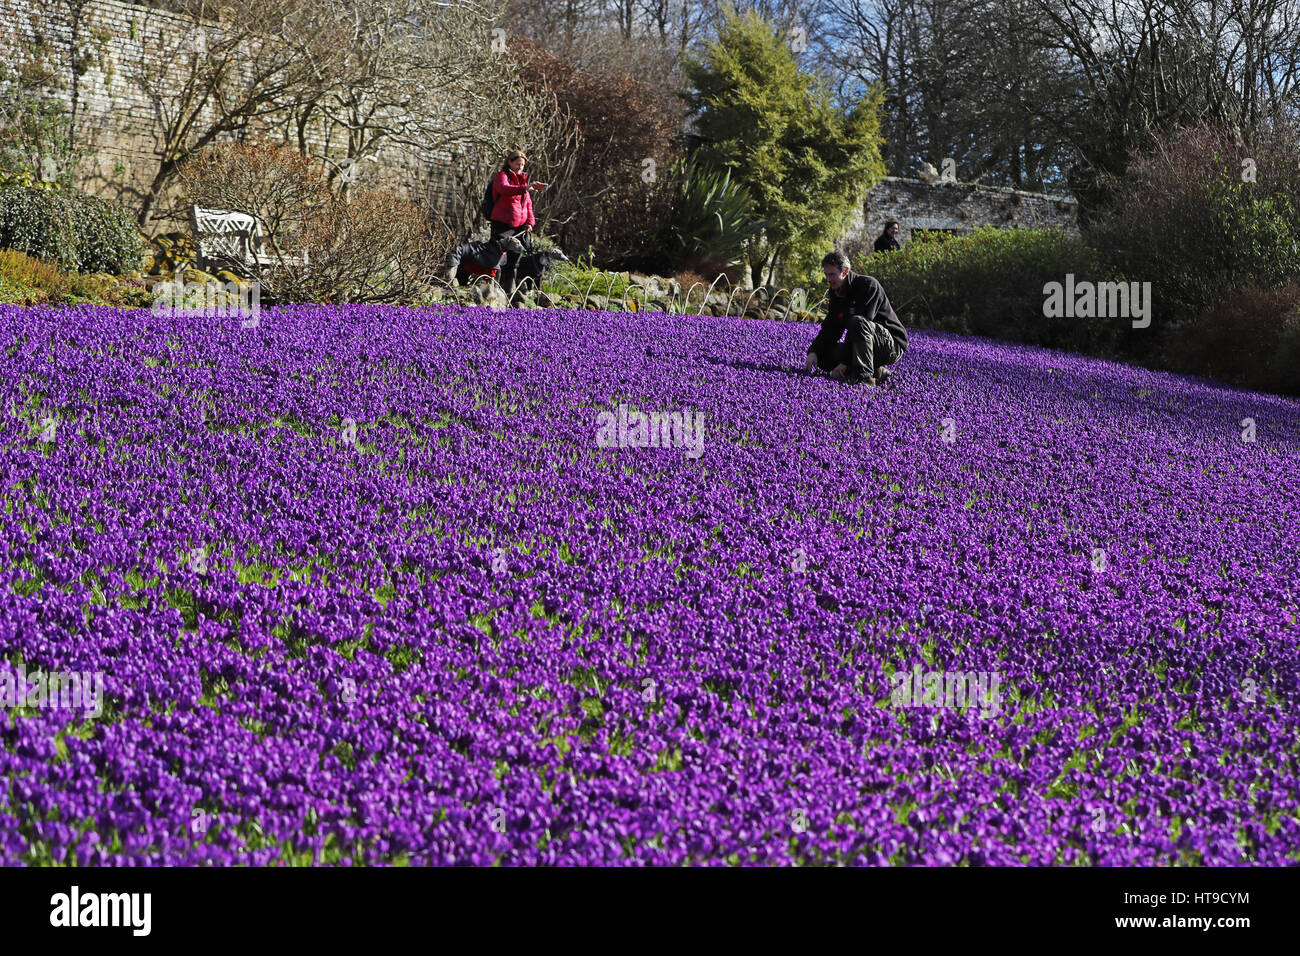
{"x": 473, "y": 635}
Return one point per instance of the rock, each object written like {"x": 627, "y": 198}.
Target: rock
{"x": 198, "y": 275}
{"x": 548, "y": 301}
{"x": 652, "y": 286}
{"x": 225, "y": 275}
{"x": 490, "y": 295}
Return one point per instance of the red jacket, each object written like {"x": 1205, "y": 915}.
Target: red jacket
{"x": 514, "y": 205}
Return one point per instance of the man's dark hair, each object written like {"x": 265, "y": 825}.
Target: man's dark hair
{"x": 837, "y": 259}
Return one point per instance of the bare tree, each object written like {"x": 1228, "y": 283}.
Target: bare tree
{"x": 964, "y": 80}
{"x": 369, "y": 78}
{"x": 214, "y": 80}
{"x": 553, "y": 24}
{"x": 413, "y": 76}
{"x": 1148, "y": 66}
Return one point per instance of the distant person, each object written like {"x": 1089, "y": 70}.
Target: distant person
{"x": 512, "y": 213}
{"x": 888, "y": 241}
{"x": 859, "y": 310}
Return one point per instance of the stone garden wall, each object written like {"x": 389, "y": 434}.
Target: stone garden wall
{"x": 955, "y": 207}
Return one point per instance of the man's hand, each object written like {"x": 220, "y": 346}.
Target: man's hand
{"x": 838, "y": 371}
{"x": 811, "y": 364}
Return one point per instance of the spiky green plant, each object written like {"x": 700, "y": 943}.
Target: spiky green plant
{"x": 712, "y": 214}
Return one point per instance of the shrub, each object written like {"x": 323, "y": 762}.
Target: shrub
{"x": 277, "y": 185}
{"x": 107, "y": 239}
{"x": 27, "y": 280}
{"x": 606, "y": 202}
{"x": 693, "y": 285}
{"x": 373, "y": 247}
{"x": 711, "y": 215}
{"x": 26, "y": 276}
{"x": 1198, "y": 212}
{"x": 40, "y": 223}
{"x": 370, "y": 246}
{"x": 573, "y": 277}
{"x": 75, "y": 232}
{"x": 992, "y": 283}
{"x": 1250, "y": 338}
{"x": 23, "y": 178}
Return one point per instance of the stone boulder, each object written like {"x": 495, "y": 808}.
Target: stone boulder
{"x": 652, "y": 287}
{"x": 490, "y": 295}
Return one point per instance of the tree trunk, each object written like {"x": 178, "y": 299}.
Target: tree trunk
{"x": 771, "y": 265}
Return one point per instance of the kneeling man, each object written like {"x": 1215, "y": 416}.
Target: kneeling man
{"x": 859, "y": 310}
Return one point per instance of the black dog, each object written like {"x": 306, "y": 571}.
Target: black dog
{"x": 469, "y": 260}
{"x": 534, "y": 265}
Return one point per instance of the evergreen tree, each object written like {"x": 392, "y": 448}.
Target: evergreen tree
{"x": 807, "y": 164}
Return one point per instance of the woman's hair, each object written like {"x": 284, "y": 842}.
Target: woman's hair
{"x": 512, "y": 156}
{"x": 892, "y": 222}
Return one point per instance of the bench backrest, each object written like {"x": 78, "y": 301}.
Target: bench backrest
{"x": 225, "y": 235}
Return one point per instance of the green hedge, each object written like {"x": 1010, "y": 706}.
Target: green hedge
{"x": 992, "y": 283}
{"x": 107, "y": 237}
{"x": 74, "y": 232}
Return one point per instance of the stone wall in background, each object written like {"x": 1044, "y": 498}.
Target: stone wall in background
{"x": 123, "y": 124}
{"x": 954, "y": 207}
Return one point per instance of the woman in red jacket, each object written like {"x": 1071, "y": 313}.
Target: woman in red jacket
{"x": 512, "y": 214}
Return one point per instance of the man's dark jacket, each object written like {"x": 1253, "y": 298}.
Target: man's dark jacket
{"x": 864, "y": 296}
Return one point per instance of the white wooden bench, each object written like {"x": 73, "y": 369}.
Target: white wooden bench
{"x": 228, "y": 239}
